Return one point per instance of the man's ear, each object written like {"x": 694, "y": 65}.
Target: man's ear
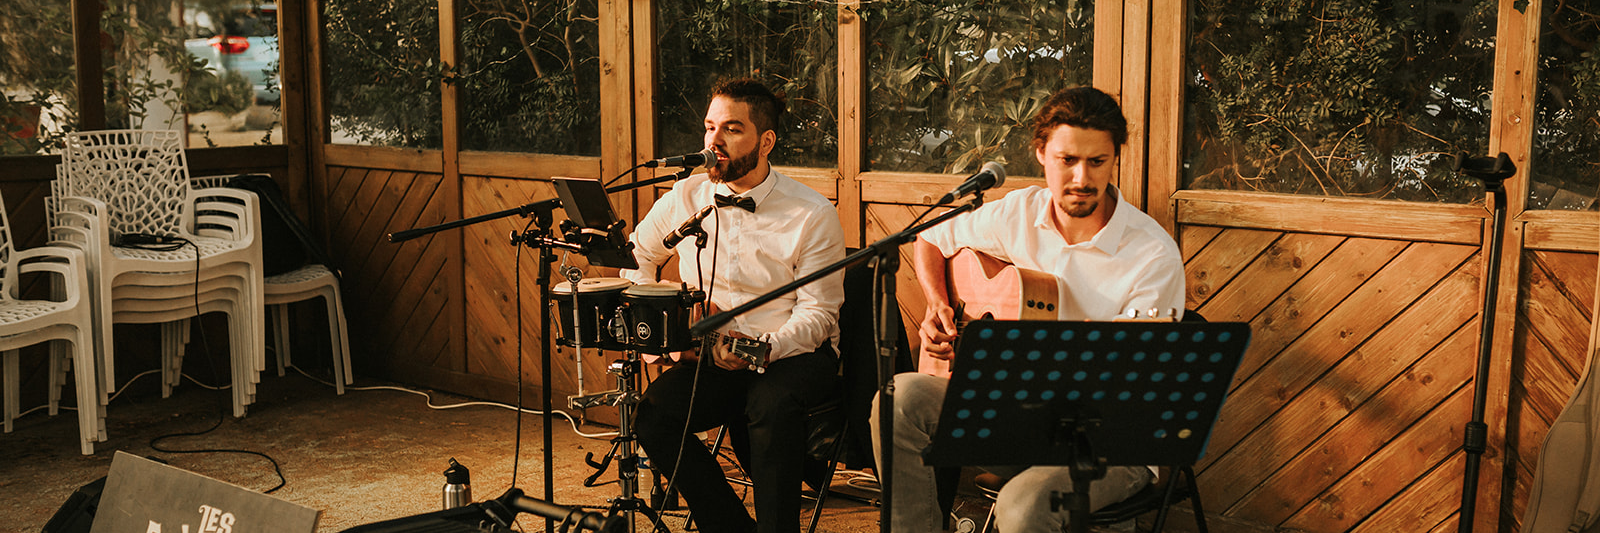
{"x": 769, "y": 140}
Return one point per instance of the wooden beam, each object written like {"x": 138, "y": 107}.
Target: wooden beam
{"x": 1164, "y": 171}
{"x": 852, "y": 121}
{"x": 384, "y": 157}
{"x": 530, "y": 166}
{"x": 1135, "y": 86}
{"x": 89, "y": 64}
{"x": 1568, "y": 231}
{"x": 644, "y": 103}
{"x": 292, "y": 66}
{"x": 1449, "y": 223}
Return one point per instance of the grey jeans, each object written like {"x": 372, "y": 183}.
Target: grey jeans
{"x": 1024, "y": 504}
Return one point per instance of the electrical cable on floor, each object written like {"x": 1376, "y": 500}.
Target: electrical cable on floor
{"x": 429, "y": 403}
{"x": 172, "y": 244}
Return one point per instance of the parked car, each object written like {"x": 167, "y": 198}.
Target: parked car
{"x": 243, "y": 39}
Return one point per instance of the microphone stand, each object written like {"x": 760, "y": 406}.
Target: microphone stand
{"x": 543, "y": 213}
{"x": 885, "y": 257}
{"x": 1492, "y": 172}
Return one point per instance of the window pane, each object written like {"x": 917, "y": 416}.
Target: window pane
{"x": 792, "y": 46}
{"x": 233, "y": 98}
{"x": 1367, "y": 98}
{"x": 1566, "y": 141}
{"x": 532, "y": 76}
{"x": 955, "y": 84}
{"x": 38, "y": 84}
{"x": 382, "y": 72}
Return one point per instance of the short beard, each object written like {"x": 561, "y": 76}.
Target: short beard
{"x": 736, "y": 168}
{"x": 1084, "y": 209}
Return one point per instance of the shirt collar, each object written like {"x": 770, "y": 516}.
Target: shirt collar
{"x": 759, "y": 193}
{"x": 1108, "y": 239}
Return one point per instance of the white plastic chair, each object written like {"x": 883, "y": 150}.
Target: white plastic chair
{"x": 122, "y": 182}
{"x": 27, "y": 322}
{"x": 305, "y": 283}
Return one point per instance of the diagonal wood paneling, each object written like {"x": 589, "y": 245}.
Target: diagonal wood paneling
{"x": 1358, "y": 343}
{"x": 395, "y": 297}
{"x": 1556, "y": 296}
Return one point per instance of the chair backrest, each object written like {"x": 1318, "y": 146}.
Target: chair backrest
{"x": 141, "y": 175}
{"x": 8, "y": 277}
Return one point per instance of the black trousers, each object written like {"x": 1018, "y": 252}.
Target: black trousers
{"x": 773, "y": 407}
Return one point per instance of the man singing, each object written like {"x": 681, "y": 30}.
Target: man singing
{"x": 1107, "y": 257}
{"x": 766, "y": 230}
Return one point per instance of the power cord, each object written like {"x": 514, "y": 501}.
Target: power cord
{"x": 169, "y": 243}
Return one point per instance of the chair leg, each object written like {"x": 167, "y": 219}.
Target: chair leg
{"x": 336, "y": 305}
{"x": 827, "y": 482}
{"x": 58, "y": 364}
{"x": 279, "y": 316}
{"x": 91, "y": 413}
{"x": 12, "y": 383}
{"x": 341, "y": 370}
{"x": 1194, "y": 500}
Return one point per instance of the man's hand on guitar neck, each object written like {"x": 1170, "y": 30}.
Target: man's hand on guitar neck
{"x": 723, "y": 356}
{"x": 938, "y": 331}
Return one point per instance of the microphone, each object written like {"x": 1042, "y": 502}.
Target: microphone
{"x": 992, "y": 175}
{"x": 706, "y": 157}
{"x": 689, "y": 227}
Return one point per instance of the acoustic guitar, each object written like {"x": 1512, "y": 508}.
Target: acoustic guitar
{"x": 981, "y": 286}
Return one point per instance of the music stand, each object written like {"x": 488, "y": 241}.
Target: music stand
{"x": 596, "y": 226}
{"x": 1086, "y": 395}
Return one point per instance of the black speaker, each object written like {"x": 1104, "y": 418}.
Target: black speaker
{"x": 77, "y": 514}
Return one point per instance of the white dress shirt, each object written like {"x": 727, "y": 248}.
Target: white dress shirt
{"x": 1130, "y": 264}
{"x": 794, "y": 231}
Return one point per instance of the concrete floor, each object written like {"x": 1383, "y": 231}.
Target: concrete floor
{"x": 366, "y": 456}
{"x": 363, "y": 457}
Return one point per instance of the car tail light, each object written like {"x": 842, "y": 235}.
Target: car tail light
{"x": 230, "y": 44}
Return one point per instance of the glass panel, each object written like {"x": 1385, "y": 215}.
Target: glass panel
{"x": 955, "y": 84}
{"x": 233, "y": 98}
{"x": 1566, "y": 142}
{"x": 1338, "y": 98}
{"x": 382, "y": 72}
{"x": 38, "y": 84}
{"x": 792, "y": 46}
{"x": 532, "y": 76}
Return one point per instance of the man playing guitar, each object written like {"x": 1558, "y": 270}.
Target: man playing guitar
{"x": 1107, "y": 257}
{"x": 765, "y": 230}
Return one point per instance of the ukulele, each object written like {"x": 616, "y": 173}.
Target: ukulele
{"x": 981, "y": 286}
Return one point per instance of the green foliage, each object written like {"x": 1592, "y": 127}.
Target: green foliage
{"x": 792, "y": 46}
{"x": 1566, "y": 140}
{"x": 228, "y": 94}
{"x": 531, "y": 79}
{"x": 36, "y": 74}
{"x": 954, "y": 84}
{"x": 382, "y": 71}
{"x": 1338, "y": 97}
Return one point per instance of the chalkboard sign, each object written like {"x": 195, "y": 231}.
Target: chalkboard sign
{"x": 144, "y": 496}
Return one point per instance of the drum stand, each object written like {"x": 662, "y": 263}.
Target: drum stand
{"x": 626, "y": 397}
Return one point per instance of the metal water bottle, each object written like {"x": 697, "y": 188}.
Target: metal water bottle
{"x": 457, "y": 485}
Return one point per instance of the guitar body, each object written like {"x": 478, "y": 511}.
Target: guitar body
{"x": 981, "y": 286}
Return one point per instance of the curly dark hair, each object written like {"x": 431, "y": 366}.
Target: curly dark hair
{"x": 1081, "y": 107}
{"x": 766, "y": 107}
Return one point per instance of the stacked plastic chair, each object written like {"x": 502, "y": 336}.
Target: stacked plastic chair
{"x": 113, "y": 185}
{"x": 68, "y": 318}
{"x": 314, "y": 280}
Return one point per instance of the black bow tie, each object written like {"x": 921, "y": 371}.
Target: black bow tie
{"x": 742, "y": 202}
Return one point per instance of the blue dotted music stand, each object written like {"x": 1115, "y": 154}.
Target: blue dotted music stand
{"x": 1085, "y": 394}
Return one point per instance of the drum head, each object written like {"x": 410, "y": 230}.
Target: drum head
{"x": 654, "y": 289}
{"x": 591, "y": 285}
